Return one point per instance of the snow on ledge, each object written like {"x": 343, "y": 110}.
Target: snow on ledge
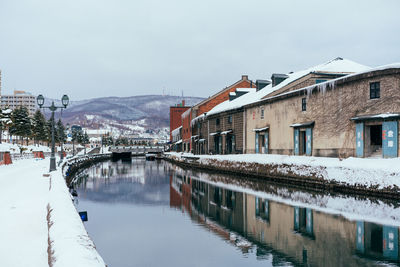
{"x": 261, "y": 129}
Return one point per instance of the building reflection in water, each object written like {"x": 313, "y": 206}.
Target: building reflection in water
{"x": 289, "y": 233}
{"x": 274, "y": 229}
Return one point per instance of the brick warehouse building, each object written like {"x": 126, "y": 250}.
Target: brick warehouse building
{"x": 175, "y": 119}
{"x": 356, "y": 115}
{"x": 190, "y": 131}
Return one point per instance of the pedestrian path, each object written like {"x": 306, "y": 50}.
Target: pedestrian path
{"x": 23, "y": 224}
{"x": 36, "y": 210}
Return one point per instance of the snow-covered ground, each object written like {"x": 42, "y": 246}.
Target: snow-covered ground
{"x": 26, "y": 225}
{"x": 379, "y": 173}
{"x": 16, "y": 148}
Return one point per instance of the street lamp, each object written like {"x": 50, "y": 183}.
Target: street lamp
{"x": 40, "y": 102}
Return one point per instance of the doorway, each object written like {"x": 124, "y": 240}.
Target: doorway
{"x": 261, "y": 143}
{"x": 374, "y": 140}
{"x": 218, "y": 144}
{"x": 230, "y": 144}
{"x": 302, "y": 142}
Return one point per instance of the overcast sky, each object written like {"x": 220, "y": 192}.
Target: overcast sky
{"x": 90, "y": 48}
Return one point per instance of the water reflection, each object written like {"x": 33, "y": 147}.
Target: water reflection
{"x": 136, "y": 182}
{"x": 267, "y": 224}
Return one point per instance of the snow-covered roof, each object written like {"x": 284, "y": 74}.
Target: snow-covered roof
{"x": 176, "y": 131}
{"x": 337, "y": 65}
{"x": 96, "y": 131}
{"x": 198, "y": 119}
{"x": 186, "y": 113}
{"x": 331, "y": 83}
{"x": 178, "y": 142}
{"x": 340, "y": 65}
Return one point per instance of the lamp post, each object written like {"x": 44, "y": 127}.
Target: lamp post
{"x": 40, "y": 102}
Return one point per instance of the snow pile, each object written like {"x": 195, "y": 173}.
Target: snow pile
{"x": 376, "y": 173}
{"x": 23, "y": 200}
{"x": 70, "y": 242}
{"x": 26, "y": 233}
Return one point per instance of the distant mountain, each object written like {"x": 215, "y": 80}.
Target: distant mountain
{"x": 128, "y": 114}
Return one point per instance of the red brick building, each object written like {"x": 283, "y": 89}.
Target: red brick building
{"x": 221, "y": 96}
{"x": 206, "y": 105}
{"x": 175, "y": 119}
{"x": 186, "y": 130}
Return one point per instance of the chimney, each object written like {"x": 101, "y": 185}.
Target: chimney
{"x": 245, "y": 77}
{"x": 277, "y": 78}
{"x": 183, "y": 103}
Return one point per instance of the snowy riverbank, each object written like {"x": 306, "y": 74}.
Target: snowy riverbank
{"x": 368, "y": 173}
{"x": 39, "y": 221}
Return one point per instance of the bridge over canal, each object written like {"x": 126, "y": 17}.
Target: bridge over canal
{"x": 134, "y": 151}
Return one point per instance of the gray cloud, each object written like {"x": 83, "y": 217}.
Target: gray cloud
{"x": 100, "y": 48}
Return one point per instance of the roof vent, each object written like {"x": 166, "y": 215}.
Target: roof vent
{"x": 239, "y": 92}
{"x": 260, "y": 84}
{"x": 277, "y": 78}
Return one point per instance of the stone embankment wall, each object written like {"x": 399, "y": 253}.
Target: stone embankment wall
{"x": 74, "y": 165}
{"x": 303, "y": 176}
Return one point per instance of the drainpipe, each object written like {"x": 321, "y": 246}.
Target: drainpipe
{"x": 244, "y": 130}
{"x": 208, "y": 136}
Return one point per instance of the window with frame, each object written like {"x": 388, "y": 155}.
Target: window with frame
{"x": 262, "y": 113}
{"x": 217, "y": 122}
{"x": 374, "y": 90}
{"x": 319, "y": 81}
{"x": 304, "y": 104}
{"x": 230, "y": 119}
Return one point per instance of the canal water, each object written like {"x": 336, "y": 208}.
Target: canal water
{"x": 153, "y": 213}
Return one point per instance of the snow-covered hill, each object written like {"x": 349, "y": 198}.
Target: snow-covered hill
{"x": 144, "y": 116}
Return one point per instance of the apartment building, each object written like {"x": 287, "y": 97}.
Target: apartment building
{"x": 19, "y": 98}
